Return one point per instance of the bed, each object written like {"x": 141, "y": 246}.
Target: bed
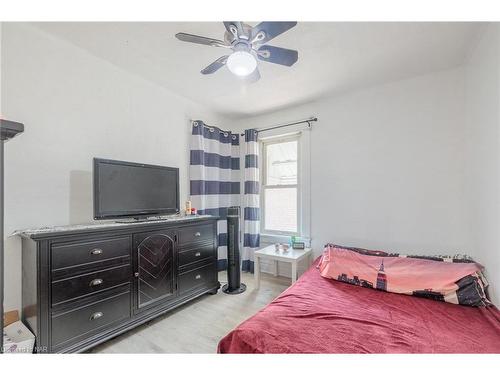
{"x": 319, "y": 315}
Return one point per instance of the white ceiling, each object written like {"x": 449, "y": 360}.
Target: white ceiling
{"x": 333, "y": 58}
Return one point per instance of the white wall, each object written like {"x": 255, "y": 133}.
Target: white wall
{"x": 482, "y": 87}
{"x": 404, "y": 166}
{"x": 76, "y": 107}
{"x": 411, "y": 166}
{"x": 1, "y": 23}
{"x": 387, "y": 165}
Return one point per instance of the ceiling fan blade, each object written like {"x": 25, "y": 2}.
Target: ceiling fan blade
{"x": 200, "y": 40}
{"x": 216, "y": 65}
{"x": 252, "y": 77}
{"x": 234, "y": 28}
{"x": 278, "y": 55}
{"x": 265, "y": 31}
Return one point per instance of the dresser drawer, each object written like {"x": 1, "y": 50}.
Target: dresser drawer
{"x": 205, "y": 275}
{"x": 196, "y": 233}
{"x": 92, "y": 282}
{"x": 83, "y": 252}
{"x": 201, "y": 252}
{"x": 91, "y": 317}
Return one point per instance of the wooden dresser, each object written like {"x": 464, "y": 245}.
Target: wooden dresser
{"x": 83, "y": 285}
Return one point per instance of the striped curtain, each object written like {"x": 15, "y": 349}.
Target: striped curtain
{"x": 251, "y": 211}
{"x": 215, "y": 177}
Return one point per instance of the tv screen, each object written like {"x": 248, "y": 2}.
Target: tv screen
{"x": 123, "y": 189}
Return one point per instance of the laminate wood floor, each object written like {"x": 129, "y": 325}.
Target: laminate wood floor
{"x": 197, "y": 326}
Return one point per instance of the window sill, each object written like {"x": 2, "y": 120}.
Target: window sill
{"x": 267, "y": 238}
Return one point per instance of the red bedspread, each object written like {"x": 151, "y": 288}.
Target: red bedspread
{"x": 318, "y": 315}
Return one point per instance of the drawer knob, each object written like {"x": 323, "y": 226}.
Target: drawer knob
{"x": 198, "y": 254}
{"x": 96, "y": 252}
{"x": 96, "y": 282}
{"x": 96, "y": 315}
{"x": 197, "y": 234}
{"x": 197, "y": 277}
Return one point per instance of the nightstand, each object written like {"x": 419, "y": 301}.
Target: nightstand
{"x": 293, "y": 256}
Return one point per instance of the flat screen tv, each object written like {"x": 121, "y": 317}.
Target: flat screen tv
{"x": 124, "y": 189}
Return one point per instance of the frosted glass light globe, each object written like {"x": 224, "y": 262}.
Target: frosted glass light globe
{"x": 241, "y": 63}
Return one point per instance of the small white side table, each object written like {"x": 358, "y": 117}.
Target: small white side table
{"x": 293, "y": 256}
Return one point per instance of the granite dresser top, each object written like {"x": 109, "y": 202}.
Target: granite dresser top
{"x": 103, "y": 225}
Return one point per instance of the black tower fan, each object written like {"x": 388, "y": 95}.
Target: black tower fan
{"x": 234, "y": 285}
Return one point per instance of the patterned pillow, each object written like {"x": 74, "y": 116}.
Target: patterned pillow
{"x": 454, "y": 279}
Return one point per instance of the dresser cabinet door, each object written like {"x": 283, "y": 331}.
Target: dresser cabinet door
{"x": 155, "y": 267}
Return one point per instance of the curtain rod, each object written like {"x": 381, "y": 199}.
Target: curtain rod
{"x": 308, "y": 121}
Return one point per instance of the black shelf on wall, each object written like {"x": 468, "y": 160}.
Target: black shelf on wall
{"x": 8, "y": 130}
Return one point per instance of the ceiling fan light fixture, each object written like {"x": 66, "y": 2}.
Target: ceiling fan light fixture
{"x": 246, "y": 45}
{"x": 241, "y": 63}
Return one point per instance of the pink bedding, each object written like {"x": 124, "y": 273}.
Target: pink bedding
{"x": 319, "y": 315}
{"x": 453, "y": 282}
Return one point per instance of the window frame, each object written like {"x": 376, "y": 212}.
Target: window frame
{"x": 263, "y": 147}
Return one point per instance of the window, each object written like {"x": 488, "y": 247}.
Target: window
{"x": 280, "y": 186}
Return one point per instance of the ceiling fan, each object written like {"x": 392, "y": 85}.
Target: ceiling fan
{"x": 247, "y": 44}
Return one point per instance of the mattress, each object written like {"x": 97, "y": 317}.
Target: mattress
{"x": 318, "y": 315}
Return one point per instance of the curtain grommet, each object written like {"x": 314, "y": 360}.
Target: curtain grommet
{"x": 195, "y": 123}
